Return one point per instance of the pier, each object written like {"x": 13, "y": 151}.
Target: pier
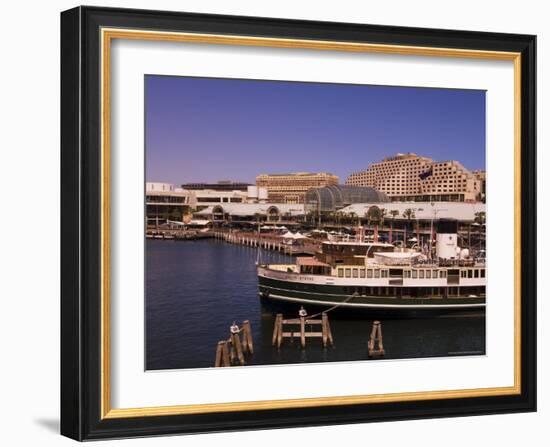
{"x": 267, "y": 243}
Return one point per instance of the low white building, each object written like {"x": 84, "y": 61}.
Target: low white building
{"x": 249, "y": 211}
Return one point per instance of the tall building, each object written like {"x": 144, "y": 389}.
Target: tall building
{"x": 222, "y": 185}
{"x": 406, "y": 177}
{"x": 481, "y": 175}
{"x": 291, "y": 188}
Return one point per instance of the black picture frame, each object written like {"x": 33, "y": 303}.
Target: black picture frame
{"x": 81, "y": 223}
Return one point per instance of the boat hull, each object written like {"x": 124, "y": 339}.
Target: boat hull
{"x": 323, "y": 296}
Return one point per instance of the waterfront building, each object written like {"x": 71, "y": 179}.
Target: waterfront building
{"x": 252, "y": 212}
{"x": 335, "y": 197}
{"x": 164, "y": 201}
{"x": 409, "y": 177}
{"x": 291, "y": 188}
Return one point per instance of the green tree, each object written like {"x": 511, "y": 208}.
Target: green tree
{"x": 375, "y": 216}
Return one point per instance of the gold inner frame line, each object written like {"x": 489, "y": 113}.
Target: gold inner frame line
{"x": 107, "y": 35}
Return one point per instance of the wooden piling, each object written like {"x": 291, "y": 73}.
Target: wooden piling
{"x": 222, "y": 355}
{"x": 218, "y": 362}
{"x": 376, "y": 344}
{"x": 276, "y": 329}
{"x": 324, "y": 320}
{"x": 237, "y": 347}
{"x": 248, "y": 344}
{"x": 303, "y": 331}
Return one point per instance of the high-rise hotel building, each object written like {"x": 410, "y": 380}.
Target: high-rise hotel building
{"x": 406, "y": 177}
{"x": 291, "y": 188}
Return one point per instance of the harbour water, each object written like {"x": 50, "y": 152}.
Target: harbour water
{"x": 196, "y": 289}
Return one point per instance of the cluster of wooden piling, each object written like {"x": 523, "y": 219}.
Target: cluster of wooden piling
{"x": 376, "y": 344}
{"x": 302, "y": 321}
{"x": 232, "y": 351}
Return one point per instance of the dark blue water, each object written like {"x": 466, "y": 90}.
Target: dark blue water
{"x": 196, "y": 289}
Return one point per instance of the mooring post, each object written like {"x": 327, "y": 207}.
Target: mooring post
{"x": 278, "y": 318}
{"x": 219, "y": 348}
{"x": 376, "y": 336}
{"x": 280, "y": 331}
{"x": 247, "y": 337}
{"x": 302, "y": 314}
{"x": 380, "y": 341}
{"x": 226, "y": 361}
{"x": 236, "y": 344}
{"x": 324, "y": 330}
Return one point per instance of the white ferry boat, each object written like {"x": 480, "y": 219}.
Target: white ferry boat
{"x": 380, "y": 276}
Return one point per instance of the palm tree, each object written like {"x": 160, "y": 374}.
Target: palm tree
{"x": 393, "y": 214}
{"x": 375, "y": 216}
{"x": 408, "y": 215}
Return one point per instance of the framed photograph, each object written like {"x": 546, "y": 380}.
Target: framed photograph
{"x": 276, "y": 223}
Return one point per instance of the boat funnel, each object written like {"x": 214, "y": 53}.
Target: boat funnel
{"x": 447, "y": 239}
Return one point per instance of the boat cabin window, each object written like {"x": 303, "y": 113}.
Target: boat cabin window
{"x": 434, "y": 274}
{"x": 421, "y": 274}
{"x": 463, "y": 273}
{"x": 355, "y": 273}
{"x": 369, "y": 273}
{"x": 407, "y": 274}
{"x": 415, "y": 274}
{"x": 443, "y": 274}
{"x": 476, "y": 273}
{"x": 384, "y": 273}
{"x": 348, "y": 273}
{"x": 428, "y": 274}
{"x": 362, "y": 273}
{"x": 340, "y": 273}
{"x": 377, "y": 273}
{"x": 482, "y": 271}
{"x": 470, "y": 273}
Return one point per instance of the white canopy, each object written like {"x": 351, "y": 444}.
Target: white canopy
{"x": 288, "y": 235}
{"x": 298, "y": 235}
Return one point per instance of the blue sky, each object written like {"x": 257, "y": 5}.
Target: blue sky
{"x": 205, "y": 129}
